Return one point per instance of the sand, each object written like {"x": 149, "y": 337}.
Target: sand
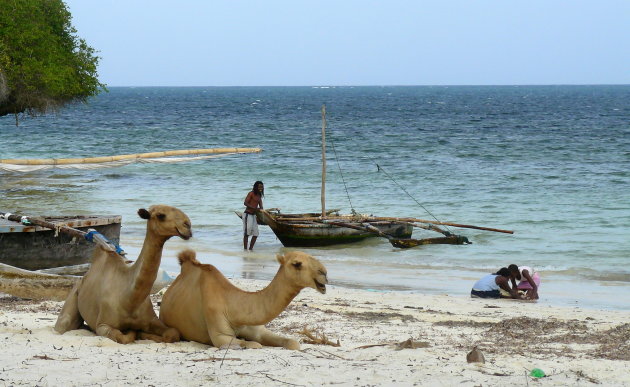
{"x": 349, "y": 337}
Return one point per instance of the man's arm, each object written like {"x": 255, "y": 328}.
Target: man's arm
{"x": 503, "y": 284}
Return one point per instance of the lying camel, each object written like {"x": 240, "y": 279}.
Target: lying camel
{"x": 113, "y": 296}
{"x": 205, "y": 307}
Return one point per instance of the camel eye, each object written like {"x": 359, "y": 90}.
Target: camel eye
{"x": 297, "y": 265}
{"x": 161, "y": 216}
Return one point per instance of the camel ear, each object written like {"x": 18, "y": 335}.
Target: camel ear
{"x": 144, "y": 214}
{"x": 280, "y": 258}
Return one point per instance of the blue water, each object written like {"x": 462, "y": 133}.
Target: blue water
{"x": 551, "y": 163}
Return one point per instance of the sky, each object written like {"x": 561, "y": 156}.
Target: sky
{"x": 356, "y": 42}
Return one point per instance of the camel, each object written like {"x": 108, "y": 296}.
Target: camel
{"x": 206, "y": 307}
{"x": 113, "y": 296}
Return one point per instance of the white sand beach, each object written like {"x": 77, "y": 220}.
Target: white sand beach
{"x": 349, "y": 337}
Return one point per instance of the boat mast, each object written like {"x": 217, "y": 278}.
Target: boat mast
{"x": 323, "y": 161}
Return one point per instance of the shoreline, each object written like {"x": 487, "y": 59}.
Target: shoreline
{"x": 557, "y": 290}
{"x": 394, "y": 338}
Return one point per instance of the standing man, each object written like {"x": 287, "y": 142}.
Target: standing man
{"x": 253, "y": 201}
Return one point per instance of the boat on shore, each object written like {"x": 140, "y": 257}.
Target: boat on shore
{"x": 35, "y": 285}
{"x": 327, "y": 228}
{"x": 33, "y": 247}
{"x": 312, "y": 230}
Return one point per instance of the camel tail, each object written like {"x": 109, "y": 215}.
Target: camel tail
{"x": 187, "y": 255}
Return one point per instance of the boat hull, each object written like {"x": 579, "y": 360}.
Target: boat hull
{"x": 35, "y": 248}
{"x": 295, "y": 234}
{"x": 313, "y": 236}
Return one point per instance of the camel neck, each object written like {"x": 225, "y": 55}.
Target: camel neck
{"x": 146, "y": 266}
{"x": 263, "y": 306}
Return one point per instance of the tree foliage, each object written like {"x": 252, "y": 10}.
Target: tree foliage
{"x": 43, "y": 64}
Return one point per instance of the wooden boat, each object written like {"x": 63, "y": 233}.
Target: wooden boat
{"x": 310, "y": 230}
{"x": 34, "y": 247}
{"x": 35, "y": 285}
{"x": 325, "y": 228}
{"x": 313, "y": 229}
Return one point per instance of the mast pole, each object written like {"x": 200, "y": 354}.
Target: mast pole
{"x": 323, "y": 195}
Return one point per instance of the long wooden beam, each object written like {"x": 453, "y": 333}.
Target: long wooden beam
{"x": 43, "y": 223}
{"x": 104, "y": 159}
{"x": 394, "y": 219}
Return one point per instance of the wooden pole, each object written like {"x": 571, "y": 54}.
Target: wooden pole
{"x": 42, "y": 223}
{"x": 104, "y": 159}
{"x": 323, "y": 215}
{"x": 410, "y": 220}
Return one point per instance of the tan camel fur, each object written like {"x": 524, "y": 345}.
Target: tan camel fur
{"x": 206, "y": 307}
{"x": 113, "y": 296}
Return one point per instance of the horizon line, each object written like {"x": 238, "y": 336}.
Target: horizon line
{"x": 392, "y": 85}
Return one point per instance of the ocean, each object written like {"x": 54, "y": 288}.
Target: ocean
{"x": 551, "y": 163}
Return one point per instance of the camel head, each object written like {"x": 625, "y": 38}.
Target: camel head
{"x": 304, "y": 270}
{"x": 166, "y": 221}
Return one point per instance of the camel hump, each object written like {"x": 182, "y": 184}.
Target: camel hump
{"x": 187, "y": 255}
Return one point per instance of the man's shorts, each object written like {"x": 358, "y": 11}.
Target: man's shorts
{"x": 485, "y": 294}
{"x": 250, "y": 224}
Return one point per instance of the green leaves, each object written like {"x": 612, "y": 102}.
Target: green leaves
{"x": 43, "y": 64}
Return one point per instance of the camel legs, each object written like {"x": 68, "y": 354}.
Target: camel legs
{"x": 264, "y": 336}
{"x": 221, "y": 340}
{"x": 221, "y": 334}
{"x": 114, "y": 334}
{"x": 159, "y": 332}
{"x": 70, "y": 318}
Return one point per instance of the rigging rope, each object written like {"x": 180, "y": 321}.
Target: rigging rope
{"x": 341, "y": 173}
{"x": 403, "y": 189}
{"x": 387, "y": 174}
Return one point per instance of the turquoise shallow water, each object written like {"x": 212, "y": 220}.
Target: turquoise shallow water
{"x": 551, "y": 163}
